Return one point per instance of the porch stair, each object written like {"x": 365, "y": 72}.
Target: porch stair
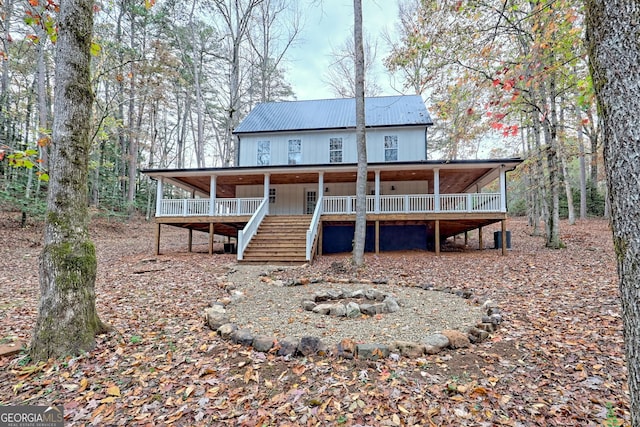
{"x": 281, "y": 239}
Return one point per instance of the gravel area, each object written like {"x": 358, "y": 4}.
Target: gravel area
{"x": 271, "y": 309}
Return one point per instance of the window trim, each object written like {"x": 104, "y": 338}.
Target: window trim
{"x": 258, "y": 159}
{"x": 341, "y": 150}
{"x": 385, "y": 148}
{"x": 289, "y": 152}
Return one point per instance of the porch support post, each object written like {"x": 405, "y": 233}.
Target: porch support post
{"x": 266, "y": 188}
{"x": 212, "y": 196}
{"x": 377, "y": 238}
{"x": 320, "y": 185}
{"x": 320, "y": 233}
{"x": 437, "y": 236}
{"x": 190, "y": 241}
{"x": 504, "y": 236}
{"x": 503, "y": 189}
{"x": 436, "y": 189}
{"x": 211, "y": 229}
{"x": 377, "y": 200}
{"x": 159, "y": 195}
{"x": 158, "y": 238}
{"x": 480, "y": 243}
{"x": 466, "y": 238}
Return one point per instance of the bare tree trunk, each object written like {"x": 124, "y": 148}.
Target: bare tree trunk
{"x": 613, "y": 41}
{"x": 7, "y": 12}
{"x": 361, "y": 141}
{"x": 583, "y": 164}
{"x": 67, "y": 319}
{"x": 562, "y": 154}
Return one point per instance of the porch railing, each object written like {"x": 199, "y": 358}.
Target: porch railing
{"x": 416, "y": 203}
{"x": 203, "y": 207}
{"x": 313, "y": 228}
{"x": 331, "y": 205}
{"x": 246, "y": 234}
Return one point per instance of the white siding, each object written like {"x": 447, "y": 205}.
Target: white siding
{"x": 290, "y": 198}
{"x": 315, "y": 146}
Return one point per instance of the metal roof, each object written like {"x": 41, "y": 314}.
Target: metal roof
{"x": 403, "y": 110}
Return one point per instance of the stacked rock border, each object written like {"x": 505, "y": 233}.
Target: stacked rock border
{"x": 377, "y": 302}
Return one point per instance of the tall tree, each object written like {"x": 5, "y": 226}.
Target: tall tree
{"x": 340, "y": 77}
{"x": 613, "y": 37}
{"x": 67, "y": 319}
{"x": 361, "y": 140}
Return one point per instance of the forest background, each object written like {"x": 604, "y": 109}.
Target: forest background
{"x": 501, "y": 78}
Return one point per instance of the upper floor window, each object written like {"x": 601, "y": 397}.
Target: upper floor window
{"x": 390, "y": 148}
{"x": 295, "y": 151}
{"x": 272, "y": 195}
{"x": 335, "y": 150}
{"x": 264, "y": 153}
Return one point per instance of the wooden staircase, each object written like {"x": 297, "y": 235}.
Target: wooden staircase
{"x": 280, "y": 239}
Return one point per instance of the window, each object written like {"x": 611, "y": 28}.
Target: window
{"x": 391, "y": 148}
{"x": 272, "y": 195}
{"x": 295, "y": 151}
{"x": 264, "y": 153}
{"x": 335, "y": 150}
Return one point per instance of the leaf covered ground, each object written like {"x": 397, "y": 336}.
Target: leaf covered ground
{"x": 557, "y": 360}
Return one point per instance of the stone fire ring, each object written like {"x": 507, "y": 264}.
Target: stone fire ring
{"x": 374, "y": 302}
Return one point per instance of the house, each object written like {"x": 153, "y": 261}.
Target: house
{"x": 292, "y": 195}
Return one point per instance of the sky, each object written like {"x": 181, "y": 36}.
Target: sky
{"x": 327, "y": 27}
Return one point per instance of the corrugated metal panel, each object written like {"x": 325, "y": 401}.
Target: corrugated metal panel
{"x": 335, "y": 113}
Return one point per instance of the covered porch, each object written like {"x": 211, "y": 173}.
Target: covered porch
{"x": 447, "y": 197}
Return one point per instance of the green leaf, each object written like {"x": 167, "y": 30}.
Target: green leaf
{"x": 44, "y": 177}
{"x": 95, "y": 49}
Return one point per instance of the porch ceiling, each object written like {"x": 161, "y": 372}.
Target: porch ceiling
{"x": 454, "y": 178}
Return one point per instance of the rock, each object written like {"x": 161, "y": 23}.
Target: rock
{"x": 496, "y": 319}
{"x": 310, "y": 346}
{"x": 215, "y": 320}
{"x": 226, "y": 330}
{"x": 372, "y": 351}
{"x": 380, "y": 281}
{"x": 391, "y": 305}
{"x": 479, "y": 334}
{"x": 242, "y": 336}
{"x": 263, "y": 343}
{"x": 338, "y": 310}
{"x": 489, "y": 327}
{"x": 435, "y": 343}
{"x": 457, "y": 339}
{"x": 278, "y": 283}
{"x": 353, "y": 310}
{"x": 303, "y": 281}
{"x": 215, "y": 309}
{"x": 493, "y": 310}
{"x": 427, "y": 286}
{"x": 321, "y": 296}
{"x": 288, "y": 346}
{"x": 322, "y": 308}
{"x": 346, "y": 349}
{"x": 488, "y": 304}
{"x": 335, "y": 294}
{"x": 374, "y": 295}
{"x": 308, "y": 305}
{"x": 358, "y": 294}
{"x": 368, "y": 309}
{"x": 408, "y": 348}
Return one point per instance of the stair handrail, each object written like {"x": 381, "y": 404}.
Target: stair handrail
{"x": 246, "y": 234}
{"x": 313, "y": 228}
